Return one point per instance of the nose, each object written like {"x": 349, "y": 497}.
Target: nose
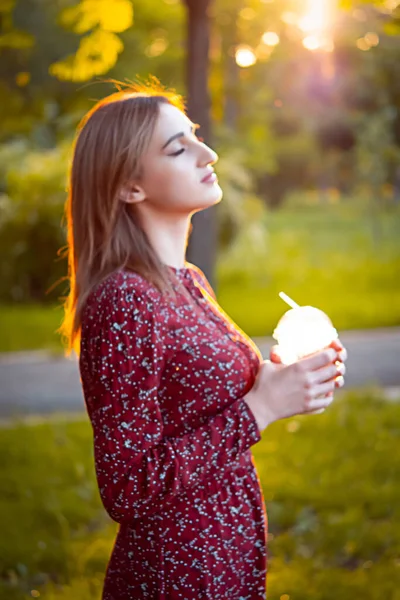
{"x": 207, "y": 155}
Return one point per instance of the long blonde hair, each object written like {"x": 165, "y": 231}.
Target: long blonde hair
{"x": 104, "y": 233}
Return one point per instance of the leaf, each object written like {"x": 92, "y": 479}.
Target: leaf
{"x": 109, "y": 15}
{"x": 116, "y": 16}
{"x": 97, "y": 53}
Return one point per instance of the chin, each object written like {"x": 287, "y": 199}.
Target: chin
{"x": 216, "y": 193}
{"x": 213, "y": 196}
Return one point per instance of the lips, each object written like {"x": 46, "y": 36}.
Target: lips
{"x": 209, "y": 178}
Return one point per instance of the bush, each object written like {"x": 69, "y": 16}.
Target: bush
{"x": 31, "y": 229}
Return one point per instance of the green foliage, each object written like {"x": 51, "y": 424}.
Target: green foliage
{"x": 330, "y": 484}
{"x": 31, "y": 231}
{"x": 240, "y": 213}
{"x": 376, "y": 148}
{"x": 99, "y": 50}
{"x": 332, "y": 494}
{"x": 53, "y": 524}
{"x": 10, "y": 36}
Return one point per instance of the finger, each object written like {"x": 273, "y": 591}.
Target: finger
{"x": 317, "y": 360}
{"x": 318, "y": 392}
{"x": 326, "y": 373}
{"x": 314, "y": 405}
{"x": 336, "y": 345}
{"x": 339, "y": 382}
{"x": 342, "y": 352}
{"x": 274, "y": 355}
{"x": 319, "y": 407}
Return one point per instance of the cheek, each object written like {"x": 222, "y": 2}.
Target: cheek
{"x": 173, "y": 179}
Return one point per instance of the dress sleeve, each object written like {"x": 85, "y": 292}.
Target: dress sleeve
{"x": 139, "y": 470}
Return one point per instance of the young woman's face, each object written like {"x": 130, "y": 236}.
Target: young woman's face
{"x": 175, "y": 165}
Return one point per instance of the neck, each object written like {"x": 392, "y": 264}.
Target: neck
{"x": 168, "y": 235}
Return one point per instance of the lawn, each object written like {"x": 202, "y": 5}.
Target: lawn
{"x": 335, "y": 257}
{"x": 331, "y": 484}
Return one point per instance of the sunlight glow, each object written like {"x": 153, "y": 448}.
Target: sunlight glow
{"x": 317, "y": 23}
{"x": 245, "y": 56}
{"x": 311, "y": 42}
{"x": 319, "y": 16}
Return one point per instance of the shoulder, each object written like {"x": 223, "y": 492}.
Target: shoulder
{"x": 200, "y": 277}
{"x": 121, "y": 291}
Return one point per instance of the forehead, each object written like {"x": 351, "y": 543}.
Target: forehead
{"x": 170, "y": 121}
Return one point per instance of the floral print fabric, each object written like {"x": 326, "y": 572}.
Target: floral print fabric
{"x": 163, "y": 384}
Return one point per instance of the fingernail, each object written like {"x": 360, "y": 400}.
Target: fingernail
{"x": 340, "y": 368}
{"x": 343, "y": 355}
{"x": 339, "y": 381}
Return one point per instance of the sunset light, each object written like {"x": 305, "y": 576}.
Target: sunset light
{"x": 316, "y": 23}
{"x": 318, "y": 18}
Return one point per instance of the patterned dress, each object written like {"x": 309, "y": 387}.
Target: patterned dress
{"x": 163, "y": 385}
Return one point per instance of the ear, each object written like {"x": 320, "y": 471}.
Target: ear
{"x": 132, "y": 193}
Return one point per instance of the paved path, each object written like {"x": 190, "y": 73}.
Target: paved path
{"x": 38, "y": 384}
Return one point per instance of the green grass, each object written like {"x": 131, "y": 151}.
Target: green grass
{"x": 335, "y": 257}
{"x": 331, "y": 484}
{"x": 30, "y": 327}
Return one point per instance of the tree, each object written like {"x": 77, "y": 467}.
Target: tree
{"x": 203, "y": 240}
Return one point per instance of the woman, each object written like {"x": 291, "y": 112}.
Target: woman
{"x": 176, "y": 392}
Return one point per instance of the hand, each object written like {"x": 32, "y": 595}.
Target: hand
{"x": 300, "y": 388}
{"x": 336, "y": 345}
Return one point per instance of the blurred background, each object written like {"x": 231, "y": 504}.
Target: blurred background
{"x": 301, "y": 100}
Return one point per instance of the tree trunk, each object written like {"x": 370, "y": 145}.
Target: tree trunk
{"x": 202, "y": 246}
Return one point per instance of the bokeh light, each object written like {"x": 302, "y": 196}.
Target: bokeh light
{"x": 290, "y": 18}
{"x": 247, "y": 13}
{"x": 271, "y": 38}
{"x": 362, "y": 44}
{"x": 391, "y": 4}
{"x": 311, "y": 42}
{"x": 359, "y": 14}
{"x": 245, "y": 56}
{"x": 157, "y": 47}
{"x": 372, "y": 38}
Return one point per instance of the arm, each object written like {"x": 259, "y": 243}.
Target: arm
{"x": 138, "y": 468}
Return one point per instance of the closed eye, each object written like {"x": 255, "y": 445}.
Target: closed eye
{"x": 178, "y": 153}
{"x": 195, "y": 126}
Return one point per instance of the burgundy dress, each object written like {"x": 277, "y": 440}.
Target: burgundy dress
{"x": 163, "y": 385}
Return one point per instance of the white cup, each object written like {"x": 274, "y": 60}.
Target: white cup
{"x": 302, "y": 331}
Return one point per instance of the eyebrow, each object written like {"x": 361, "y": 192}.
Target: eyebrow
{"x": 193, "y": 128}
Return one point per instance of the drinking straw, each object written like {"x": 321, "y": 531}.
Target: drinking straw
{"x": 288, "y": 300}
